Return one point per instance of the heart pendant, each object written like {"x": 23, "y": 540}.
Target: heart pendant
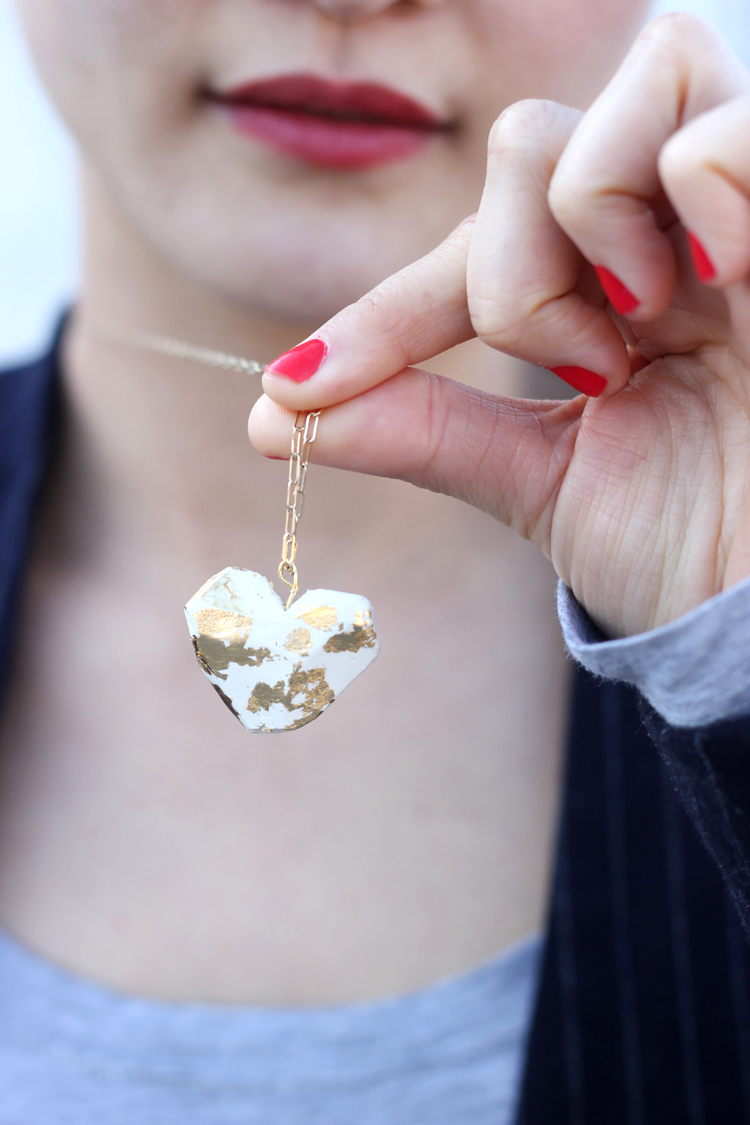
{"x": 276, "y": 668}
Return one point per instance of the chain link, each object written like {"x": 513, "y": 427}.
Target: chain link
{"x": 165, "y": 345}
{"x": 303, "y": 436}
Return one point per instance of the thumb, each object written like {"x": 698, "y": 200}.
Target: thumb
{"x": 505, "y": 456}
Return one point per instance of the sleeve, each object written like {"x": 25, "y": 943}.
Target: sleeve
{"x": 694, "y": 671}
{"x": 694, "y": 680}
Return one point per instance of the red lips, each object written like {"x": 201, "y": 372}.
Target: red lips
{"x": 330, "y": 124}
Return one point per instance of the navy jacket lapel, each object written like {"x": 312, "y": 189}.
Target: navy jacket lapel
{"x": 643, "y": 1010}
{"x": 28, "y": 414}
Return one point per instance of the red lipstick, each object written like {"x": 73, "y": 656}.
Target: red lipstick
{"x": 331, "y": 124}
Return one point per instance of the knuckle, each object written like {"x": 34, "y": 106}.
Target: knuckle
{"x": 522, "y": 323}
{"x": 381, "y": 314}
{"x": 386, "y": 314}
{"x": 568, "y": 200}
{"x": 677, "y": 160}
{"x": 521, "y": 124}
{"x": 382, "y": 308}
{"x": 498, "y": 323}
{"x": 677, "y": 28}
{"x": 678, "y": 37}
{"x": 435, "y": 423}
{"x": 374, "y": 308}
{"x": 455, "y": 249}
{"x": 463, "y": 233}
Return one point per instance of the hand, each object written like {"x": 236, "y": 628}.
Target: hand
{"x": 640, "y": 496}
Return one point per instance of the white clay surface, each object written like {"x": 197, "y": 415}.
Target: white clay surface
{"x": 278, "y": 669}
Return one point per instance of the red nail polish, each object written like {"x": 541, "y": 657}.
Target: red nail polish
{"x": 622, "y": 299}
{"x": 301, "y": 362}
{"x": 702, "y": 264}
{"x": 587, "y": 382}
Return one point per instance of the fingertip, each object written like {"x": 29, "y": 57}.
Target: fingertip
{"x": 622, "y": 300}
{"x": 704, "y": 268}
{"x": 302, "y": 362}
{"x": 581, "y": 379}
{"x": 291, "y": 395}
{"x": 269, "y": 427}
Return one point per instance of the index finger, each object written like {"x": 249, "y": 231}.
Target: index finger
{"x": 409, "y": 318}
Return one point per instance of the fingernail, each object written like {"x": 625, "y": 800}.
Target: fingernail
{"x": 587, "y": 382}
{"x": 702, "y": 264}
{"x": 622, "y": 299}
{"x": 301, "y": 362}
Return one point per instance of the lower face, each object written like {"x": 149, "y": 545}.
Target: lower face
{"x": 290, "y": 158}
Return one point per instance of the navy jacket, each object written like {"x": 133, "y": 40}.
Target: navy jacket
{"x": 643, "y": 1011}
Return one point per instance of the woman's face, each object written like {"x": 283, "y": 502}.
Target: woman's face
{"x": 295, "y": 196}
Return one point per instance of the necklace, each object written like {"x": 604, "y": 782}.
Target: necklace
{"x": 276, "y": 665}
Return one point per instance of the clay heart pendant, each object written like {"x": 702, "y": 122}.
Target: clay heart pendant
{"x": 275, "y": 668}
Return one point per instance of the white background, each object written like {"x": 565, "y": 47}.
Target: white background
{"x": 39, "y": 225}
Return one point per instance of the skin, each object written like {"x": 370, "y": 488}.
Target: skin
{"x": 641, "y": 497}
{"x": 145, "y": 840}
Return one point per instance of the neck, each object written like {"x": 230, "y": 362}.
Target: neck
{"x": 135, "y": 816}
{"x": 161, "y": 466}
{"x": 127, "y": 282}
{"x": 161, "y": 456}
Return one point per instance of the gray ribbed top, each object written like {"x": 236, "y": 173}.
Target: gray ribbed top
{"x": 75, "y": 1053}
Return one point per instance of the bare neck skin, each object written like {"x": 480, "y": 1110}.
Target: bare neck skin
{"x": 149, "y": 842}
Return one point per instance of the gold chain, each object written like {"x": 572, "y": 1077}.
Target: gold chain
{"x": 303, "y": 436}
{"x": 165, "y": 345}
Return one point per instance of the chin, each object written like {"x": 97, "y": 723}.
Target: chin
{"x": 298, "y": 247}
{"x": 297, "y": 268}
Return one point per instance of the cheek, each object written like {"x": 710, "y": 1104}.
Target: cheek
{"x": 561, "y": 49}
{"x": 595, "y": 25}
{"x": 105, "y": 62}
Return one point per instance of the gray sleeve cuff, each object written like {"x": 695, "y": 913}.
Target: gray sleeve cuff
{"x": 694, "y": 671}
